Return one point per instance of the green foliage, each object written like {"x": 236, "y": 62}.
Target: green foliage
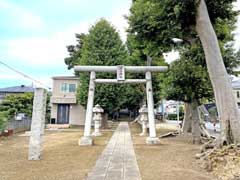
{"x": 19, "y": 103}
{"x": 174, "y": 117}
{"x": 187, "y": 79}
{"x": 75, "y": 52}
{"x": 154, "y": 28}
{"x": 138, "y": 56}
{"x": 103, "y": 46}
{"x": 3, "y": 120}
{"x": 157, "y": 23}
{"x": 48, "y": 108}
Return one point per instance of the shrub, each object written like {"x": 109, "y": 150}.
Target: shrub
{"x": 174, "y": 116}
{"x": 3, "y": 120}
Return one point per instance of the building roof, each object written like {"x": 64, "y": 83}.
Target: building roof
{"x": 17, "y": 89}
{"x": 65, "y": 77}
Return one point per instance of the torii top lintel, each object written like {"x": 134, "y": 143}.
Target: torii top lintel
{"x": 136, "y": 69}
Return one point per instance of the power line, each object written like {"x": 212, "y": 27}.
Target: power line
{"x": 24, "y": 75}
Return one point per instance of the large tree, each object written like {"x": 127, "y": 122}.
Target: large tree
{"x": 187, "y": 80}
{"x": 103, "y": 46}
{"x": 159, "y": 23}
{"x": 225, "y": 100}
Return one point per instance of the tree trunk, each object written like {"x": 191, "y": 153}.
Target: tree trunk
{"x": 191, "y": 123}
{"x": 225, "y": 101}
{"x": 196, "y": 131}
{"x": 187, "y": 121}
{"x": 104, "y": 124}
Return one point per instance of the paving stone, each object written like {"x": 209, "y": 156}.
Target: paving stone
{"x": 118, "y": 161}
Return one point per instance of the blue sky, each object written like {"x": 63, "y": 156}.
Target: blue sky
{"x": 34, "y": 34}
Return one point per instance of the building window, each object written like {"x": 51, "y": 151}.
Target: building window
{"x": 238, "y": 95}
{"x": 72, "y": 87}
{"x": 64, "y": 87}
{"x": 68, "y": 87}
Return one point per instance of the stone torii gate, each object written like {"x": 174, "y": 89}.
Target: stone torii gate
{"x": 120, "y": 71}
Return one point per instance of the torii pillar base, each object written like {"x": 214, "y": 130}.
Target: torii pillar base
{"x": 152, "y": 140}
{"x": 85, "y": 141}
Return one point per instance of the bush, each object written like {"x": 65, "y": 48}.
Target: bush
{"x": 3, "y": 120}
{"x": 17, "y": 103}
{"x": 174, "y": 117}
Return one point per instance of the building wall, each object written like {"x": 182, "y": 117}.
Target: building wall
{"x": 77, "y": 115}
{"x": 57, "y": 83}
{"x": 54, "y": 111}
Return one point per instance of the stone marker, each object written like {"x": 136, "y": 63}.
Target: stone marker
{"x": 97, "y": 118}
{"x": 38, "y": 122}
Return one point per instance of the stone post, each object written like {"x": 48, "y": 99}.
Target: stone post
{"x": 152, "y": 139}
{"x": 87, "y": 140}
{"x": 38, "y": 123}
{"x": 144, "y": 119}
{"x": 97, "y": 117}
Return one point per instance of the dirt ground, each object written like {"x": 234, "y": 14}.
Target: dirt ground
{"x": 62, "y": 158}
{"x": 224, "y": 162}
{"x": 172, "y": 159}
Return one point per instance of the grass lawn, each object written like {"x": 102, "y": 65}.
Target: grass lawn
{"x": 172, "y": 159}
{"x": 62, "y": 158}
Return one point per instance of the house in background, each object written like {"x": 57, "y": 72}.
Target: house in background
{"x": 236, "y": 90}
{"x": 64, "y": 107}
{"x": 15, "y": 90}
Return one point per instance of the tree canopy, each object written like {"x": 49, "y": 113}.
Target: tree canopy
{"x": 157, "y": 23}
{"x": 103, "y": 46}
{"x": 161, "y": 26}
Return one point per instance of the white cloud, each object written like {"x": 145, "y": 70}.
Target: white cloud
{"x": 237, "y": 31}
{"x": 20, "y": 17}
{"x": 171, "y": 56}
{"x": 51, "y": 49}
{"x": 120, "y": 22}
{"x": 46, "y": 82}
{"x": 45, "y": 50}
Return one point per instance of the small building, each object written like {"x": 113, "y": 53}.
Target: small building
{"x": 64, "y": 106}
{"x": 15, "y": 90}
{"x": 236, "y": 90}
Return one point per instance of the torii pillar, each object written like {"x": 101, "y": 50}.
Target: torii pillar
{"x": 87, "y": 139}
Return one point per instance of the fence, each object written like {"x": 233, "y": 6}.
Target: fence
{"x": 19, "y": 125}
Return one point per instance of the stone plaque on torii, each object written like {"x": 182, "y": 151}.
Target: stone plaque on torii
{"x": 120, "y": 71}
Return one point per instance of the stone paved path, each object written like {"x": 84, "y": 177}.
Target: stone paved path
{"x": 118, "y": 161}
